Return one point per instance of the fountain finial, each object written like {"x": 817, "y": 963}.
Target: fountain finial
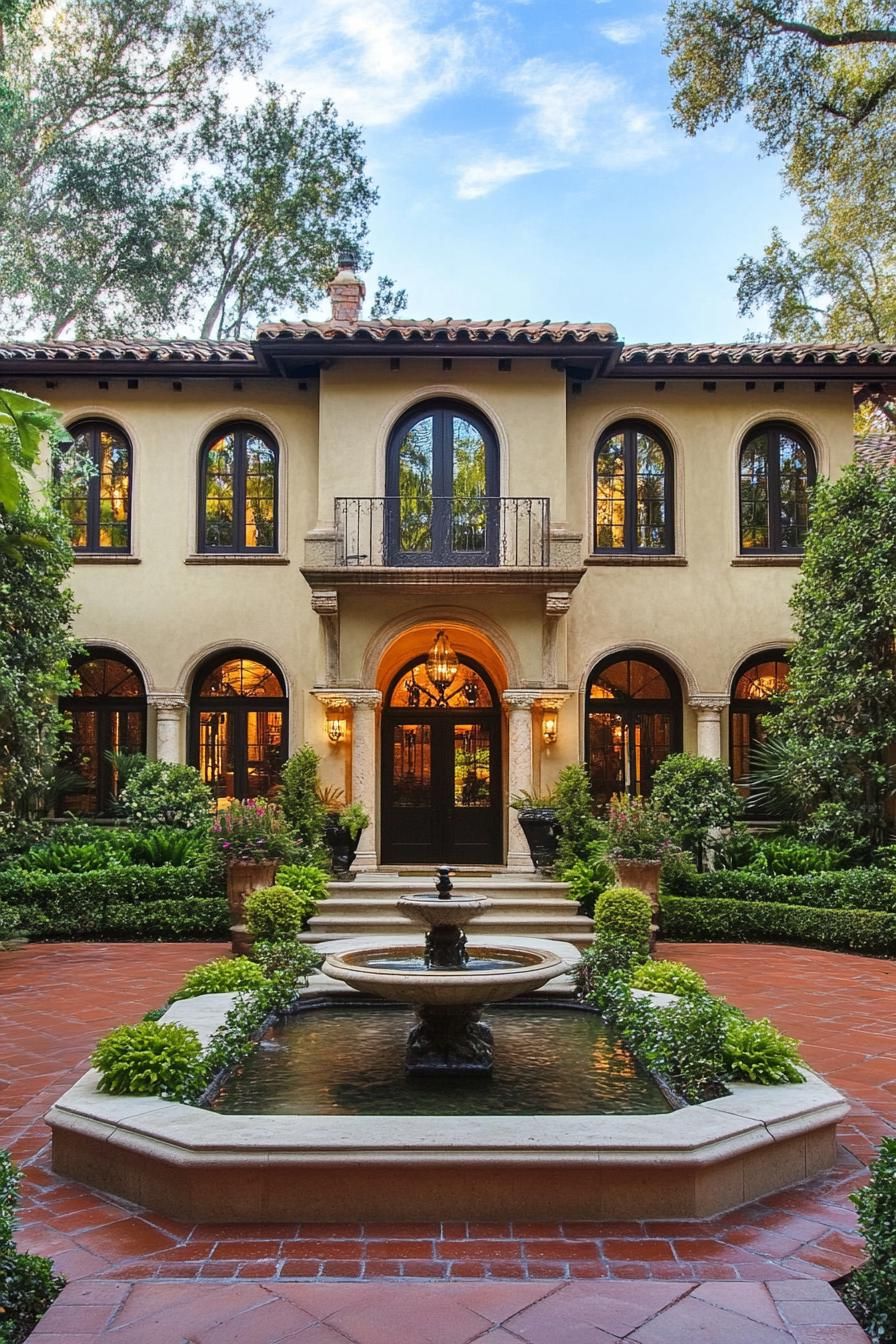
{"x": 443, "y": 882}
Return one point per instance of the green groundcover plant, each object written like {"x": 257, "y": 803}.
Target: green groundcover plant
{"x": 27, "y": 1283}
{"x": 871, "y": 1291}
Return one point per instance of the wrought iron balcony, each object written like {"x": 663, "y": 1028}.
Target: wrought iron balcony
{"x": 442, "y": 531}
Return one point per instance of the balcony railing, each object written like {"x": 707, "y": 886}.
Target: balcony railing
{"x": 434, "y": 530}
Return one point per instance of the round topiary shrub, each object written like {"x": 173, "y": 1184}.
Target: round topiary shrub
{"x": 226, "y": 975}
{"x": 624, "y": 912}
{"x": 151, "y": 1059}
{"x": 668, "y": 977}
{"x": 274, "y": 913}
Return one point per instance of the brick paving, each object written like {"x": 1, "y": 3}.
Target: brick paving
{"x": 55, "y": 1001}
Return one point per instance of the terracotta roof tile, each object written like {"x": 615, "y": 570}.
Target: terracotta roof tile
{"x": 138, "y": 351}
{"x": 462, "y": 330}
{"x": 877, "y": 450}
{"x": 774, "y": 353}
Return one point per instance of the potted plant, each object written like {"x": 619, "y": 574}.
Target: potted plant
{"x": 253, "y": 836}
{"x": 638, "y": 843}
{"x": 537, "y": 816}
{"x": 342, "y": 833}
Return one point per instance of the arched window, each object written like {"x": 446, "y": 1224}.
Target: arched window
{"x": 756, "y": 682}
{"x": 442, "y": 487}
{"x": 98, "y": 504}
{"x": 107, "y": 711}
{"x": 633, "y": 722}
{"x": 633, "y": 491}
{"x": 238, "y": 490}
{"x": 777, "y": 469}
{"x": 239, "y": 725}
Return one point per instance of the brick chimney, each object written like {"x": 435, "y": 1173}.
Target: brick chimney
{"x": 346, "y": 290}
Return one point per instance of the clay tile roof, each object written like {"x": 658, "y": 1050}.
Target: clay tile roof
{"x": 877, "y": 450}
{"x": 463, "y": 331}
{"x": 137, "y": 351}
{"x": 777, "y": 353}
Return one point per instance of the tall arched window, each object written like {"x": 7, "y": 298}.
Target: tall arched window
{"x": 107, "y": 711}
{"x": 633, "y": 490}
{"x": 238, "y": 490}
{"x": 442, "y": 487}
{"x": 777, "y": 469}
{"x": 98, "y": 504}
{"x": 239, "y": 725}
{"x": 755, "y": 683}
{"x": 633, "y": 722}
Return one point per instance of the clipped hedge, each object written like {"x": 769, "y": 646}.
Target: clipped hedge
{"x": 119, "y": 903}
{"x": 851, "y": 889}
{"x": 693, "y": 919}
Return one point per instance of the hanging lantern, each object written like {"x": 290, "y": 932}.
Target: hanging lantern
{"x": 441, "y": 665}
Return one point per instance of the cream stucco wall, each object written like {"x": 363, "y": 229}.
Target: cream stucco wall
{"x": 704, "y": 612}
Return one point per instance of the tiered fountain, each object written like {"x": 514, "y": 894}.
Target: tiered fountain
{"x": 446, "y": 982}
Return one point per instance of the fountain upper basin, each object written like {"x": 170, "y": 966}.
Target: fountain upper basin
{"x": 435, "y": 911}
{"x": 519, "y": 972}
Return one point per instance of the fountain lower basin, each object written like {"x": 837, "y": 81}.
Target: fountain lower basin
{"x": 491, "y": 975}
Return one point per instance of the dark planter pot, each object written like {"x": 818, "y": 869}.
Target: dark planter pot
{"x": 342, "y": 849}
{"x": 542, "y": 832}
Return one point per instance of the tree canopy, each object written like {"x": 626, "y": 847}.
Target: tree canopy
{"x": 144, "y": 191}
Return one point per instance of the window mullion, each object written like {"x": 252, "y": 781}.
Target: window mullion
{"x": 239, "y": 490}
{"x": 630, "y": 458}
{"x": 93, "y": 493}
{"x": 774, "y": 491}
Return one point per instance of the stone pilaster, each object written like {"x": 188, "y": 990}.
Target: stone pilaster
{"x": 556, "y": 605}
{"x": 519, "y": 771}
{"x": 326, "y": 604}
{"x": 170, "y": 709}
{"x": 364, "y": 705}
{"x": 709, "y": 724}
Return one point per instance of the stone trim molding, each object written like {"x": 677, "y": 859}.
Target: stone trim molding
{"x": 338, "y": 697}
{"x": 166, "y": 702}
{"x": 708, "y": 702}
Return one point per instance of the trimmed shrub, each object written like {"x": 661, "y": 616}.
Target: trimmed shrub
{"x": 305, "y": 814}
{"x": 162, "y": 794}
{"x": 871, "y": 1291}
{"x": 668, "y": 977}
{"x": 10, "y": 921}
{"x": 149, "y": 1059}
{"x": 626, "y": 913}
{"x": 727, "y": 921}
{"x": 308, "y": 882}
{"x": 274, "y": 913}
{"x": 225, "y": 975}
{"x": 853, "y": 889}
{"x": 579, "y": 828}
{"x": 27, "y": 1283}
{"x": 697, "y": 796}
{"x": 757, "y": 1051}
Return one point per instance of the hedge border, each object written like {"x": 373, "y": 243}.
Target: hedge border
{"x": 701, "y": 919}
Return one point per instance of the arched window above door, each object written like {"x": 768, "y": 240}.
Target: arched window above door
{"x": 442, "y": 487}
{"x": 756, "y": 683}
{"x": 633, "y": 722}
{"x": 107, "y": 711}
{"x": 633, "y": 477}
{"x": 238, "y": 725}
{"x": 238, "y": 490}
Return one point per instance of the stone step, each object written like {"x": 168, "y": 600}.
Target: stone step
{"x": 488, "y": 886}
{"x": 580, "y": 938}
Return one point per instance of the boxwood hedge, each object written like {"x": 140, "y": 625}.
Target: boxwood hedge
{"x": 698, "y": 919}
{"x": 851, "y": 889}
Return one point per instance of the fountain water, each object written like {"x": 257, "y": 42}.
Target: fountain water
{"x": 447, "y": 983}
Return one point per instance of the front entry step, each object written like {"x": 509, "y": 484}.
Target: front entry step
{"x": 523, "y": 906}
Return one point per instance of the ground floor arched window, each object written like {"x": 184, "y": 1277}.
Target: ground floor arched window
{"x": 633, "y": 722}
{"x": 238, "y": 725}
{"x": 756, "y": 681}
{"x": 107, "y": 712}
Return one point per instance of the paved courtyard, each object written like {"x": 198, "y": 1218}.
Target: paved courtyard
{"x": 136, "y": 1275}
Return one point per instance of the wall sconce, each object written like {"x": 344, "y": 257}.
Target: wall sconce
{"x": 337, "y": 723}
{"x": 549, "y": 726}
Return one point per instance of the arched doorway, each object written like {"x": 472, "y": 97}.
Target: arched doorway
{"x": 633, "y": 722}
{"x": 238, "y": 724}
{"x": 441, "y": 763}
{"x": 107, "y": 710}
{"x": 756, "y": 683}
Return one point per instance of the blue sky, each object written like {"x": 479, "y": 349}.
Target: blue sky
{"x": 527, "y": 164}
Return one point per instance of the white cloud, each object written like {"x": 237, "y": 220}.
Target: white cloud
{"x": 561, "y": 100}
{"x": 487, "y": 174}
{"x": 622, "y": 31}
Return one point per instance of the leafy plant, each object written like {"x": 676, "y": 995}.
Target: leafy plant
{"x": 587, "y": 879}
{"x": 870, "y": 1292}
{"x": 287, "y": 965}
{"x": 524, "y": 801}
{"x": 697, "y": 796}
{"x": 668, "y": 977}
{"x": 609, "y": 953}
{"x": 274, "y": 913}
{"x": 785, "y": 856}
{"x": 10, "y": 921}
{"x": 27, "y": 1283}
{"x": 308, "y": 881}
{"x": 757, "y": 1051}
{"x": 169, "y": 846}
{"x": 162, "y": 794}
{"x": 737, "y": 848}
{"x": 580, "y": 830}
{"x": 306, "y": 815}
{"x": 688, "y": 1045}
{"x": 252, "y": 829}
{"x": 225, "y": 975}
{"x": 149, "y": 1059}
{"x": 330, "y": 798}
{"x": 637, "y": 830}
{"x": 63, "y": 858}
{"x": 353, "y": 818}
{"x": 725, "y": 921}
{"x": 624, "y": 912}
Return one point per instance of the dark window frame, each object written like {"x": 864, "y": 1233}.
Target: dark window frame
{"x": 239, "y": 705}
{"x": 774, "y": 429}
{"x": 240, "y": 429}
{"x": 753, "y": 709}
{"x": 627, "y": 707}
{"x": 92, "y": 427}
{"x": 630, "y": 429}
{"x": 104, "y": 706}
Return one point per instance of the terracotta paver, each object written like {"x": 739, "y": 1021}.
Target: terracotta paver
{"x": 56, "y": 1000}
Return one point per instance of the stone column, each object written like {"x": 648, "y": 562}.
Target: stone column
{"x": 364, "y": 790}
{"x": 709, "y": 724}
{"x": 519, "y": 772}
{"x": 169, "y": 717}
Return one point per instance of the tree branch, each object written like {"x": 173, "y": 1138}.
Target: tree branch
{"x": 848, "y": 38}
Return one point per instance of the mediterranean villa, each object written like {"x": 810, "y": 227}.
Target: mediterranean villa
{"x": 454, "y": 556}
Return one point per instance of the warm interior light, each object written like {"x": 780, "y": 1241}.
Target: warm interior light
{"x": 441, "y": 664}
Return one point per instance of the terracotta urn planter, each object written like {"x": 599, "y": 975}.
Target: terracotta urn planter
{"x": 243, "y": 876}
{"x": 643, "y": 874}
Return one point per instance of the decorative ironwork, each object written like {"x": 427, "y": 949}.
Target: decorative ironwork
{"x": 510, "y": 533}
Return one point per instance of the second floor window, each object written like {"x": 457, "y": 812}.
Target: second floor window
{"x": 97, "y": 502}
{"x": 777, "y": 469}
{"x": 238, "y": 491}
{"x": 632, "y": 491}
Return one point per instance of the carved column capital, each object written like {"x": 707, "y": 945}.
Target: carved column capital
{"x": 520, "y": 699}
{"x": 552, "y": 701}
{"x": 166, "y": 702}
{"x": 708, "y": 703}
{"x": 337, "y": 697}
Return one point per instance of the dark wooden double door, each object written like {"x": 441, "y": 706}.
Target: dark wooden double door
{"x": 441, "y": 773}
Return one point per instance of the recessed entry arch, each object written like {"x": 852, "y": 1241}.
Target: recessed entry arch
{"x": 239, "y": 727}
{"x": 633, "y": 721}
